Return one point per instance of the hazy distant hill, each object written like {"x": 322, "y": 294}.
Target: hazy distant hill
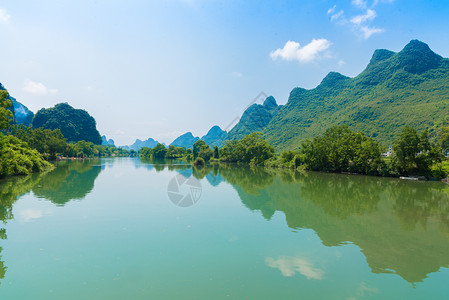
{"x": 150, "y": 143}
{"x": 22, "y": 115}
{"x": 410, "y": 87}
{"x": 185, "y": 140}
{"x": 215, "y": 136}
{"x": 106, "y": 142}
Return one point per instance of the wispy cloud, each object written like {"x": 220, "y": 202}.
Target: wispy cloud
{"x": 362, "y": 19}
{"x": 360, "y": 23}
{"x": 38, "y": 88}
{"x": 367, "y": 31}
{"x": 4, "y": 16}
{"x": 337, "y": 16}
{"x": 362, "y": 4}
{"x": 289, "y": 266}
{"x": 308, "y": 53}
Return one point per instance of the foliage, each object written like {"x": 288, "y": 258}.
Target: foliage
{"x": 16, "y": 158}
{"x": 216, "y": 152}
{"x": 201, "y": 149}
{"x": 252, "y": 149}
{"x": 5, "y": 114}
{"x": 159, "y": 151}
{"x": 174, "y": 152}
{"x": 45, "y": 141}
{"x": 342, "y": 150}
{"x": 75, "y": 124}
{"x": 82, "y": 149}
{"x": 414, "y": 153}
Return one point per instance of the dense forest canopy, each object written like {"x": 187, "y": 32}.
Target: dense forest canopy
{"x": 75, "y": 124}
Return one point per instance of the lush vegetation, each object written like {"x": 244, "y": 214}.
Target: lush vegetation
{"x": 6, "y": 115}
{"x": 51, "y": 144}
{"x": 16, "y": 157}
{"x": 409, "y": 88}
{"x": 252, "y": 149}
{"x": 340, "y": 149}
{"x": 75, "y": 124}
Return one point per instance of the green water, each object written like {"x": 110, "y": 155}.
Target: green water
{"x": 108, "y": 230}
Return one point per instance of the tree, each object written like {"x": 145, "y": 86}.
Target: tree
{"x": 159, "y": 151}
{"x": 146, "y": 152}
{"x": 443, "y": 138}
{"x": 5, "y": 114}
{"x": 83, "y": 149}
{"x": 216, "y": 152}
{"x": 342, "y": 150}
{"x": 414, "y": 153}
{"x": 252, "y": 149}
{"x": 45, "y": 141}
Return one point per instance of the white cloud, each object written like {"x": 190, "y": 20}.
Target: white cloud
{"x": 361, "y": 19}
{"x": 359, "y": 3}
{"x": 361, "y": 23}
{"x": 4, "y": 16}
{"x": 290, "y": 265}
{"x": 341, "y": 63}
{"x": 337, "y": 15}
{"x": 37, "y": 88}
{"x": 367, "y": 32}
{"x": 293, "y": 51}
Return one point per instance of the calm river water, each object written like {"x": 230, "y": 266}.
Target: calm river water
{"x": 126, "y": 229}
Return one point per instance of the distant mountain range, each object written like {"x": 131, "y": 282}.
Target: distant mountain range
{"x": 106, "y": 142}
{"x": 214, "y": 137}
{"x": 150, "y": 143}
{"x": 410, "y": 87}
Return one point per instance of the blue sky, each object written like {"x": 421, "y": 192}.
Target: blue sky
{"x": 161, "y": 68}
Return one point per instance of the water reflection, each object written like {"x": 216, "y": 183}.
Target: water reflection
{"x": 10, "y": 190}
{"x": 291, "y": 265}
{"x": 69, "y": 181}
{"x": 401, "y": 227}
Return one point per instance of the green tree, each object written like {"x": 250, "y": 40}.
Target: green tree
{"x": 342, "y": 150}
{"x": 216, "y": 152}
{"x": 252, "y": 149}
{"x": 83, "y": 149}
{"x": 414, "y": 153}
{"x": 159, "y": 151}
{"x": 5, "y": 114}
{"x": 443, "y": 138}
{"x": 146, "y": 152}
